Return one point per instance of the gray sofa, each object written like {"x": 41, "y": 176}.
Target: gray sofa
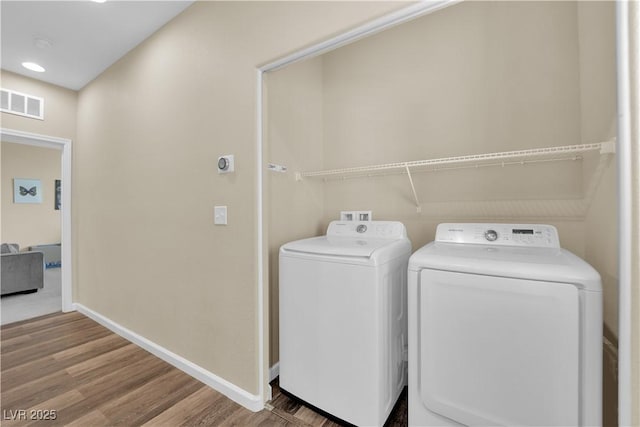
{"x": 22, "y": 272}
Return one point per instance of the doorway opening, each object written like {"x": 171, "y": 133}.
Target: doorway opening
{"x": 63, "y": 146}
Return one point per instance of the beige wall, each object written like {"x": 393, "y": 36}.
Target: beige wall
{"x": 30, "y": 224}
{"x": 294, "y": 139}
{"x": 150, "y": 130}
{"x": 598, "y": 107}
{"x": 59, "y": 107}
{"x": 485, "y": 77}
{"x": 596, "y": 30}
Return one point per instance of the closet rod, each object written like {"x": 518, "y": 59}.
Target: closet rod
{"x": 603, "y": 147}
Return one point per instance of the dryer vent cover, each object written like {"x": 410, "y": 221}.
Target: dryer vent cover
{"x": 22, "y": 104}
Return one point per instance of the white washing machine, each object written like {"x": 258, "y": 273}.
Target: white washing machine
{"x": 505, "y": 328}
{"x": 343, "y": 319}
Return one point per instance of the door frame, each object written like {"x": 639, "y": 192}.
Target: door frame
{"x": 64, "y": 146}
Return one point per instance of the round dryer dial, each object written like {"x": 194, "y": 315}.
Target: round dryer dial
{"x": 491, "y": 235}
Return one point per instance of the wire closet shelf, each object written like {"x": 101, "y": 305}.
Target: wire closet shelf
{"x": 518, "y": 157}
{"x": 563, "y": 153}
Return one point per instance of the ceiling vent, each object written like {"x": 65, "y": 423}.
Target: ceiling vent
{"x": 22, "y": 104}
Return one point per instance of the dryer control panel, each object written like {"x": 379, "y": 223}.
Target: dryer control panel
{"x": 367, "y": 229}
{"x": 529, "y": 235}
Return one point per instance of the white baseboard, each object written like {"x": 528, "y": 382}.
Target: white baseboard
{"x": 250, "y": 401}
{"x": 274, "y": 371}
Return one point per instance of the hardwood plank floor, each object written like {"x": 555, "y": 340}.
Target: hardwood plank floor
{"x": 67, "y": 363}
{"x": 298, "y": 413}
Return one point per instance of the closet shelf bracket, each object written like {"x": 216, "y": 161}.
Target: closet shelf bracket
{"x": 413, "y": 188}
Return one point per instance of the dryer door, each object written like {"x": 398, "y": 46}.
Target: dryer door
{"x": 499, "y": 351}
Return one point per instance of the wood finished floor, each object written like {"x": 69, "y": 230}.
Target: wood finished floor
{"x": 67, "y": 363}
{"x": 91, "y": 377}
{"x": 300, "y": 414}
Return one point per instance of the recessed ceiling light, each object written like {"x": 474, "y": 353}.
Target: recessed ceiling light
{"x": 98, "y": 1}
{"x": 33, "y": 67}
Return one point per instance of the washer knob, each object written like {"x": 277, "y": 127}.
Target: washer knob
{"x": 361, "y": 228}
{"x": 491, "y": 235}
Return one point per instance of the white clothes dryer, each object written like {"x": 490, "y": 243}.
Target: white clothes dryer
{"x": 343, "y": 319}
{"x": 505, "y": 328}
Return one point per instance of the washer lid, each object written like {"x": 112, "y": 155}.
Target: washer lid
{"x": 337, "y": 246}
{"x": 533, "y": 263}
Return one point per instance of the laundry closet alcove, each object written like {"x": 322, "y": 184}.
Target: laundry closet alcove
{"x": 476, "y": 78}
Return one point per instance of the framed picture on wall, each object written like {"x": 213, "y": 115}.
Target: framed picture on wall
{"x": 58, "y": 193}
{"x": 27, "y": 191}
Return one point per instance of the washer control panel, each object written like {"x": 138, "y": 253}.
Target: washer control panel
{"x": 530, "y": 235}
{"x": 369, "y": 229}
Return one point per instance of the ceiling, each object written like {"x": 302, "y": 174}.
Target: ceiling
{"x": 75, "y": 41}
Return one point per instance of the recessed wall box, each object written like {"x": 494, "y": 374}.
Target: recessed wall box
{"x": 346, "y": 216}
{"x": 355, "y": 216}
{"x": 363, "y": 216}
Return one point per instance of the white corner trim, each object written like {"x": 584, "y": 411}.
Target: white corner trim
{"x": 625, "y": 226}
{"x": 250, "y": 401}
{"x": 263, "y": 320}
{"x": 274, "y": 371}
